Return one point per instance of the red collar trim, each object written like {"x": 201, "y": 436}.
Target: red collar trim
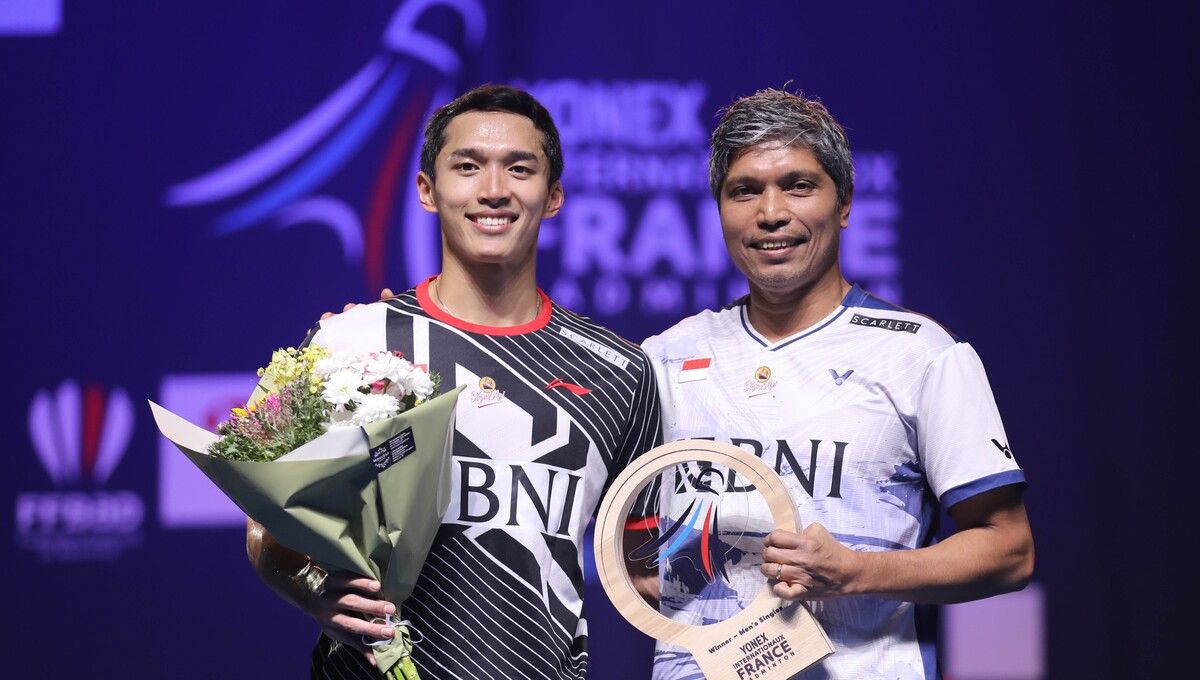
{"x": 431, "y": 308}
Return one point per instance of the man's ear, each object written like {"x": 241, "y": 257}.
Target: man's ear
{"x": 425, "y": 192}
{"x": 554, "y": 202}
{"x": 844, "y": 212}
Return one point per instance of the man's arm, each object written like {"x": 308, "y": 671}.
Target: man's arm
{"x": 990, "y": 553}
{"x": 275, "y": 564}
{"x": 341, "y": 607}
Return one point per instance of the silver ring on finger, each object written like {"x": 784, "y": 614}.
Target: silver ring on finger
{"x": 779, "y": 571}
{"x": 316, "y": 581}
{"x": 312, "y": 579}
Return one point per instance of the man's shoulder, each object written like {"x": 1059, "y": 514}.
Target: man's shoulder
{"x": 686, "y": 336}
{"x": 580, "y": 323}
{"x": 404, "y": 303}
{"x": 363, "y": 326}
{"x": 576, "y": 328}
{"x": 870, "y": 316}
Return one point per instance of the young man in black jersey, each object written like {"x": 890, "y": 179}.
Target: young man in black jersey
{"x": 555, "y": 407}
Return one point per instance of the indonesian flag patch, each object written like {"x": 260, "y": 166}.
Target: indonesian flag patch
{"x": 694, "y": 369}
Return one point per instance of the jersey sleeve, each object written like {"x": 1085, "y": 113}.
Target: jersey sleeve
{"x": 960, "y": 437}
{"x": 643, "y": 428}
{"x": 646, "y": 504}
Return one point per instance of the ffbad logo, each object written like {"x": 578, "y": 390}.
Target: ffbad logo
{"x": 79, "y": 436}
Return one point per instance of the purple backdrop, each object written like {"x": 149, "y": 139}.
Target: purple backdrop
{"x": 186, "y": 186}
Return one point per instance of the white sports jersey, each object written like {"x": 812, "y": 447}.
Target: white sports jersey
{"x": 873, "y": 417}
{"x": 553, "y": 411}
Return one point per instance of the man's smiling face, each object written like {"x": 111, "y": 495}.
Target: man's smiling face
{"x": 781, "y": 218}
{"x": 491, "y": 189}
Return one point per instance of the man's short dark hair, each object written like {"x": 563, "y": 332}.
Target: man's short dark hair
{"x": 781, "y": 118}
{"x": 493, "y": 98}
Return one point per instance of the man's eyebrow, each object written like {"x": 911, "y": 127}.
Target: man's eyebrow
{"x": 510, "y": 157}
{"x": 783, "y": 180}
{"x": 466, "y": 152}
{"x": 742, "y": 179}
{"x": 796, "y": 175}
{"x": 518, "y": 155}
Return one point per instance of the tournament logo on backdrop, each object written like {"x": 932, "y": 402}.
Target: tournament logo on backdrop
{"x": 638, "y": 234}
{"x": 80, "y": 436}
{"x": 282, "y": 182}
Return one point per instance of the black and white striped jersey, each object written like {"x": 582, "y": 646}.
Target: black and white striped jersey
{"x": 553, "y": 410}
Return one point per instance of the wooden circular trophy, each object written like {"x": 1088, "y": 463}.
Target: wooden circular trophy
{"x": 772, "y": 638}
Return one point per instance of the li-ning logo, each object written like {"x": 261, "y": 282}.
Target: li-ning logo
{"x": 279, "y": 181}
{"x": 1003, "y": 449}
{"x": 79, "y": 435}
{"x": 578, "y": 390}
{"x": 889, "y": 324}
{"x": 678, "y": 535}
{"x": 839, "y": 379}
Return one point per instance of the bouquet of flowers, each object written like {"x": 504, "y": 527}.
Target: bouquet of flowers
{"x": 343, "y": 457}
{"x": 312, "y": 390}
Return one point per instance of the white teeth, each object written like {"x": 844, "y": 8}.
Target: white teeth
{"x": 493, "y": 221}
{"x": 774, "y": 245}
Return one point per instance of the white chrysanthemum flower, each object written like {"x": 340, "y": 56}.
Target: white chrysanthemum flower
{"x": 378, "y": 366}
{"x": 374, "y": 407}
{"x": 420, "y": 384}
{"x": 386, "y": 366}
{"x": 341, "y": 388}
{"x": 340, "y": 360}
{"x": 400, "y": 371}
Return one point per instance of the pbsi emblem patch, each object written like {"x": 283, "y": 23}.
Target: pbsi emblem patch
{"x": 486, "y": 393}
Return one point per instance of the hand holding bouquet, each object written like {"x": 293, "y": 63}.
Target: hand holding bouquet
{"x": 343, "y": 457}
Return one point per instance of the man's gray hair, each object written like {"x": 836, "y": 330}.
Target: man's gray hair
{"x": 778, "y": 117}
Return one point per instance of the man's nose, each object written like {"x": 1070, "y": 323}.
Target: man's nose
{"x": 772, "y": 211}
{"x": 493, "y": 190}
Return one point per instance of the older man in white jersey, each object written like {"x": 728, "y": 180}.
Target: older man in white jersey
{"x": 875, "y": 417}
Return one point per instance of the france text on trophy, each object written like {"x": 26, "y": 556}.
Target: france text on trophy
{"x": 696, "y": 510}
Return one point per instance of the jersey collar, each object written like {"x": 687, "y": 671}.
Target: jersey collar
{"x": 431, "y": 308}
{"x": 853, "y": 298}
